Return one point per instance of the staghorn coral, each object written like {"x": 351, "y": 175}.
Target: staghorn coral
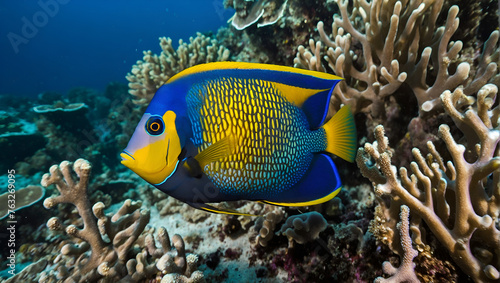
{"x": 471, "y": 16}
{"x": 458, "y": 200}
{"x": 405, "y": 272}
{"x": 106, "y": 252}
{"x": 109, "y": 239}
{"x": 154, "y": 70}
{"x": 379, "y": 46}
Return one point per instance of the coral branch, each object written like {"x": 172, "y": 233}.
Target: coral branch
{"x": 379, "y": 46}
{"x": 405, "y": 272}
{"x": 464, "y": 185}
{"x": 107, "y": 251}
{"x": 76, "y": 194}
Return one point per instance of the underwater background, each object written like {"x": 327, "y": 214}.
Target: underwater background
{"x": 420, "y": 204}
{"x": 62, "y": 44}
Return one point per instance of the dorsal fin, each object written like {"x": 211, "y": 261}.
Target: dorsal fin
{"x": 309, "y": 90}
{"x": 314, "y": 102}
{"x": 280, "y": 74}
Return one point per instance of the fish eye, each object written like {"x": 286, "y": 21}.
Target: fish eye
{"x": 155, "y": 126}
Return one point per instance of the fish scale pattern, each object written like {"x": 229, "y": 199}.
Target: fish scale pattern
{"x": 275, "y": 144}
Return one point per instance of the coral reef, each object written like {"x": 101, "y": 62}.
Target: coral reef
{"x": 107, "y": 258}
{"x": 427, "y": 70}
{"x": 26, "y": 275}
{"x": 18, "y": 138}
{"x": 388, "y": 49}
{"x": 69, "y": 117}
{"x": 107, "y": 248}
{"x": 10, "y": 123}
{"x": 304, "y": 227}
{"x": 84, "y": 123}
{"x": 154, "y": 70}
{"x": 170, "y": 260}
{"x": 275, "y": 43}
{"x": 405, "y": 272}
{"x": 458, "y": 201}
{"x": 262, "y": 12}
{"x": 265, "y": 226}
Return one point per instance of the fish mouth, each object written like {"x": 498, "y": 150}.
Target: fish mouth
{"x": 125, "y": 155}
{"x": 127, "y": 159}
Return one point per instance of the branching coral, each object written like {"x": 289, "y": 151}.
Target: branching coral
{"x": 405, "y": 272}
{"x": 107, "y": 248}
{"x": 458, "y": 200}
{"x": 107, "y": 258}
{"x": 171, "y": 260}
{"x": 380, "y": 45}
{"x": 154, "y": 70}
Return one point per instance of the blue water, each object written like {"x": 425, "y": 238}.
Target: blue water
{"x": 55, "y": 45}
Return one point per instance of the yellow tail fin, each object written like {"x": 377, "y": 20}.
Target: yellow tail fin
{"x": 341, "y": 134}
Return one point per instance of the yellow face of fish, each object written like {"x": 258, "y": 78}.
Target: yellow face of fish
{"x": 154, "y": 148}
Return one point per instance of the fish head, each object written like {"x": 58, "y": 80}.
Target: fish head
{"x": 154, "y": 149}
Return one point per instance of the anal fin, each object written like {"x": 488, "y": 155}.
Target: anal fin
{"x": 320, "y": 183}
{"x": 213, "y": 209}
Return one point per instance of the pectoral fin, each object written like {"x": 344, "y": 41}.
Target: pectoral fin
{"x": 193, "y": 167}
{"x": 217, "y": 151}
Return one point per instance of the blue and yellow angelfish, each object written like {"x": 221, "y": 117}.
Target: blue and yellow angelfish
{"x": 230, "y": 131}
